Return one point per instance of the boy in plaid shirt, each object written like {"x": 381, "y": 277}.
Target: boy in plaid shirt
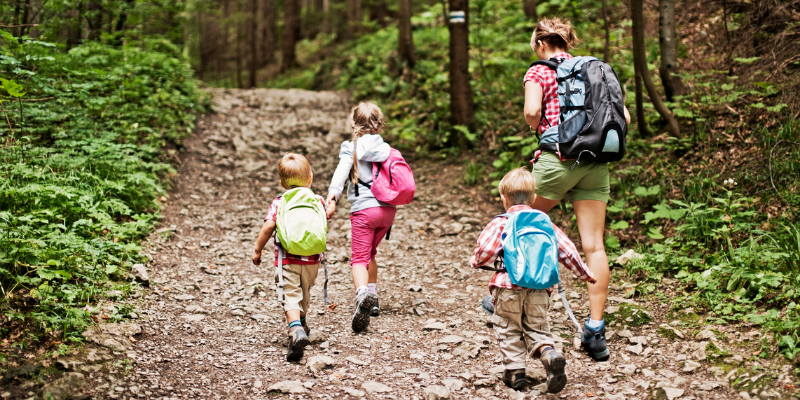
{"x": 520, "y": 314}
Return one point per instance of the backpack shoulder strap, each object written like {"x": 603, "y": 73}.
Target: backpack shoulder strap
{"x": 547, "y": 63}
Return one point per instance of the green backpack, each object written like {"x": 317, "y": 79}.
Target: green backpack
{"x": 302, "y": 225}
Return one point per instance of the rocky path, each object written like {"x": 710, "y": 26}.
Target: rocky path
{"x": 212, "y": 328}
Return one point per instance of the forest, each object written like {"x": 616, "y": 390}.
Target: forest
{"x": 97, "y": 98}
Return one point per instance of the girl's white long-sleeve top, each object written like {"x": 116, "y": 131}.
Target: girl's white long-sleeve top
{"x": 371, "y": 149}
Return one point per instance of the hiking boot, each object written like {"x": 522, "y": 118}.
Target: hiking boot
{"x": 363, "y": 308}
{"x": 487, "y": 305}
{"x": 554, "y": 363}
{"x": 515, "y": 379}
{"x": 298, "y": 340}
{"x": 594, "y": 341}
{"x": 376, "y": 311}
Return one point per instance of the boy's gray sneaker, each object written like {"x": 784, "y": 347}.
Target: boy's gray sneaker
{"x": 376, "y": 311}
{"x": 594, "y": 341}
{"x": 515, "y": 379}
{"x": 298, "y": 340}
{"x": 554, "y": 363}
{"x": 487, "y": 305}
{"x": 363, "y": 308}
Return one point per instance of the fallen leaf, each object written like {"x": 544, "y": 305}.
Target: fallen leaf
{"x": 132, "y": 339}
{"x": 589, "y": 394}
{"x": 211, "y": 266}
{"x": 104, "y": 317}
{"x": 191, "y": 247}
{"x": 788, "y": 386}
{"x": 332, "y": 307}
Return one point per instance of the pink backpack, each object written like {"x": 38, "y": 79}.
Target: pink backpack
{"x": 392, "y": 180}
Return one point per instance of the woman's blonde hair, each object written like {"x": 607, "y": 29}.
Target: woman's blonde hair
{"x": 366, "y": 118}
{"x": 557, "y": 33}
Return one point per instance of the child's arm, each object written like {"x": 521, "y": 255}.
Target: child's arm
{"x": 263, "y": 237}
{"x": 489, "y": 244}
{"x": 569, "y": 256}
{"x": 341, "y": 174}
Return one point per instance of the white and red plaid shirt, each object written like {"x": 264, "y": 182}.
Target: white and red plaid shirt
{"x": 490, "y": 243}
{"x": 272, "y": 215}
{"x": 546, "y": 78}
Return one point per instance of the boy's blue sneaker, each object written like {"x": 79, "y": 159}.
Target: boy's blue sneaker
{"x": 487, "y": 305}
{"x": 594, "y": 341}
{"x": 363, "y": 308}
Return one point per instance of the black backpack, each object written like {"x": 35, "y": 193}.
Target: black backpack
{"x": 592, "y": 123}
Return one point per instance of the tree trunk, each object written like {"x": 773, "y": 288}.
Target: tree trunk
{"x": 529, "y": 6}
{"x": 268, "y": 35}
{"x": 326, "y": 16}
{"x": 26, "y": 9}
{"x": 291, "y": 31}
{"x": 252, "y": 30}
{"x": 461, "y": 104}
{"x": 406, "y": 40}
{"x": 607, "y": 46}
{"x": 354, "y": 18}
{"x": 640, "y": 62}
{"x": 668, "y": 39}
{"x": 95, "y": 19}
{"x": 644, "y": 131}
{"x": 17, "y": 9}
{"x": 379, "y": 12}
{"x": 74, "y": 26}
{"x": 123, "y": 19}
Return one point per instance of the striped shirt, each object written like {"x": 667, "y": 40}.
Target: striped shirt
{"x": 490, "y": 244}
{"x": 272, "y": 215}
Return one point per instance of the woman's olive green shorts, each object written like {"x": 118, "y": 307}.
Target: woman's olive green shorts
{"x": 555, "y": 181}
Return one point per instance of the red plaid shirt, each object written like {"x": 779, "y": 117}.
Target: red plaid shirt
{"x": 546, "y": 78}
{"x": 490, "y": 244}
{"x": 272, "y": 215}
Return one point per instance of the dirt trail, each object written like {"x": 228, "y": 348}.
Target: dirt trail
{"x": 212, "y": 327}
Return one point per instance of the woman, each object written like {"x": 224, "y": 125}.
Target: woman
{"x": 586, "y": 186}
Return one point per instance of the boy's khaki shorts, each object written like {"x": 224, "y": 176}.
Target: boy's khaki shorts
{"x": 555, "y": 180}
{"x": 297, "y": 283}
{"x": 520, "y": 323}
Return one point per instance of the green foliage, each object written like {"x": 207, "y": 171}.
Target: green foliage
{"x": 81, "y": 175}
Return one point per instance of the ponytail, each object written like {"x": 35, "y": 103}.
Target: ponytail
{"x": 365, "y": 118}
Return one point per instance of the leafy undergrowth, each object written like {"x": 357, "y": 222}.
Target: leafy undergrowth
{"x": 714, "y": 209}
{"x": 81, "y": 178}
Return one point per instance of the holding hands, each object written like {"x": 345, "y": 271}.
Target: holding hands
{"x": 330, "y": 205}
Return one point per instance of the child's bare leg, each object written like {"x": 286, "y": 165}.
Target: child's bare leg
{"x": 292, "y": 315}
{"x": 360, "y": 276}
{"x": 373, "y": 271}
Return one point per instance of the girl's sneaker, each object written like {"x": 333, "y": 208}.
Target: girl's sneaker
{"x": 376, "y": 311}
{"x": 363, "y": 308}
{"x": 298, "y": 340}
{"x": 554, "y": 364}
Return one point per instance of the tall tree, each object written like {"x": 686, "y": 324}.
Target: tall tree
{"x": 668, "y": 40}
{"x": 462, "y": 107}
{"x": 405, "y": 39}
{"x": 291, "y": 32}
{"x": 94, "y": 18}
{"x": 74, "y": 26}
{"x": 326, "y": 16}
{"x": 268, "y": 34}
{"x": 529, "y": 7}
{"x": 354, "y": 18}
{"x": 608, "y": 34}
{"x": 252, "y": 31}
{"x": 640, "y": 63}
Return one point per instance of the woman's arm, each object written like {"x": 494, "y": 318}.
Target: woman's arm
{"x": 533, "y": 104}
{"x": 627, "y": 115}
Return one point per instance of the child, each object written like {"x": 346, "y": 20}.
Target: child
{"x": 370, "y": 218}
{"x": 520, "y": 314}
{"x": 299, "y": 272}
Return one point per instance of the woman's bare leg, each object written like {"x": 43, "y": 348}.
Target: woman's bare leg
{"x": 591, "y": 215}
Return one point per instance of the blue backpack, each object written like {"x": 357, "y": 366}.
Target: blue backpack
{"x": 530, "y": 251}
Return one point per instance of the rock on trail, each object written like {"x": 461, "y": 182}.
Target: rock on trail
{"x": 211, "y": 326}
